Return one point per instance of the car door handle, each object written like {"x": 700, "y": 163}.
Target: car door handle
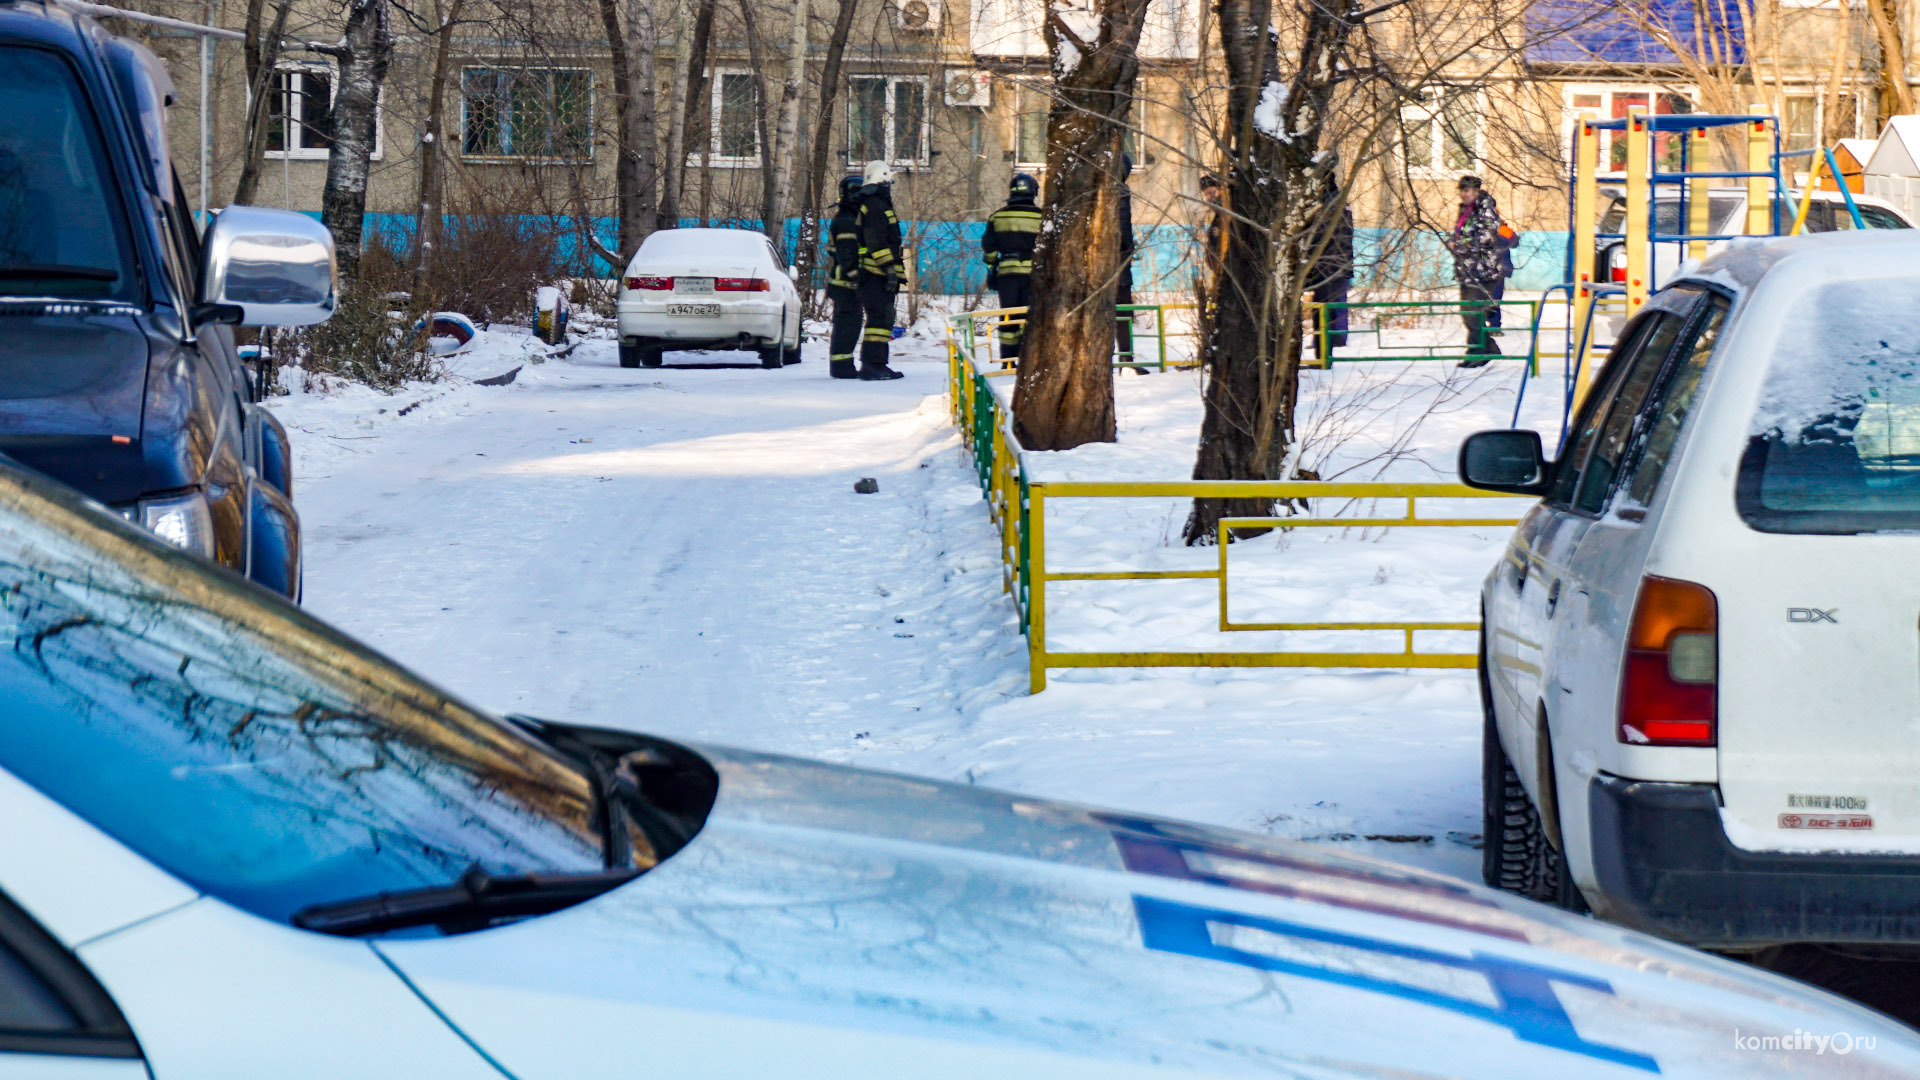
{"x": 1553, "y": 597}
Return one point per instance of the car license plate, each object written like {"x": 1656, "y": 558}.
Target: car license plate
{"x": 706, "y": 311}
{"x": 693, "y": 284}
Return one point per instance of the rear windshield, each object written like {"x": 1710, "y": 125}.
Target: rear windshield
{"x": 1834, "y": 446}
{"x": 61, "y": 232}
{"x": 1666, "y": 216}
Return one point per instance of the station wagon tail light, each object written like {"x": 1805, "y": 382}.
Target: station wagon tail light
{"x": 1617, "y": 263}
{"x": 741, "y": 284}
{"x": 1669, "y": 693}
{"x": 637, "y": 283}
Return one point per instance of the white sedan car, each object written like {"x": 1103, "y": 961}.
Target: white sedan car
{"x": 1700, "y": 664}
{"x": 239, "y": 844}
{"x": 708, "y": 289}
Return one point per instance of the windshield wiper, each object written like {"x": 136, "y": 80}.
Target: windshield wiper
{"x": 57, "y": 271}
{"x": 478, "y": 900}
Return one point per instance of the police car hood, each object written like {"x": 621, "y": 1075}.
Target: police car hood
{"x": 833, "y": 922}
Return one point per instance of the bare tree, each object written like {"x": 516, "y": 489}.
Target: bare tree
{"x": 814, "y": 202}
{"x": 1063, "y": 396}
{"x": 363, "y": 54}
{"x": 692, "y": 85}
{"x": 1896, "y": 94}
{"x": 429, "y": 195}
{"x": 632, "y": 57}
{"x": 261, "y": 52}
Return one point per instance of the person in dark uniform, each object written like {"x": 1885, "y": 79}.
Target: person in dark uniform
{"x": 843, "y": 277}
{"x": 880, "y": 269}
{"x": 1123, "y": 288}
{"x": 1007, "y": 245}
{"x": 1332, "y": 276}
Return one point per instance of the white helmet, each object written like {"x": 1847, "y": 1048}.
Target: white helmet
{"x": 878, "y": 172}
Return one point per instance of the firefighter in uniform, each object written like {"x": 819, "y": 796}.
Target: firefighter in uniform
{"x": 880, "y": 269}
{"x": 1007, "y": 245}
{"x": 843, "y": 244}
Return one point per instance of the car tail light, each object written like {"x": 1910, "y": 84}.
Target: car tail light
{"x": 1669, "y": 693}
{"x": 740, "y": 284}
{"x": 649, "y": 283}
{"x": 1617, "y": 263}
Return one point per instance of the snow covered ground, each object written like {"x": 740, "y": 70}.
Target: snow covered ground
{"x": 681, "y": 551}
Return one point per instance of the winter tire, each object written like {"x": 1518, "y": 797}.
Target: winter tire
{"x": 774, "y": 356}
{"x": 630, "y": 355}
{"x": 1515, "y": 854}
{"x": 650, "y": 356}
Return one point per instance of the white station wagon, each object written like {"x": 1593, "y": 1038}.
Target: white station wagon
{"x": 1701, "y": 654}
{"x": 708, "y": 289}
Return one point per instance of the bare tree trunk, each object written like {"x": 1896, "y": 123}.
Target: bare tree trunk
{"x": 1277, "y": 203}
{"x": 428, "y": 194}
{"x": 691, "y": 87}
{"x": 808, "y": 257}
{"x": 631, "y": 55}
{"x": 1063, "y": 394}
{"x": 1896, "y": 97}
{"x": 364, "y": 54}
{"x": 788, "y": 129}
{"x": 262, "y": 53}
{"x": 762, "y": 114}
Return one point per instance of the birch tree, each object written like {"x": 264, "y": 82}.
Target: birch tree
{"x": 1063, "y": 394}
{"x": 632, "y": 56}
{"x": 363, "y": 56}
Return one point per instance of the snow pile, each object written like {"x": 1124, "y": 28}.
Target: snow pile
{"x": 1270, "y": 115}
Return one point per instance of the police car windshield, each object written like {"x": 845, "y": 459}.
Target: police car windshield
{"x": 247, "y": 749}
{"x": 61, "y": 232}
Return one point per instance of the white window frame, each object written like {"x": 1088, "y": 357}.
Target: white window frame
{"x": 1818, "y": 94}
{"x": 1021, "y": 88}
{"x": 299, "y": 68}
{"x": 714, "y": 156}
{"x": 460, "y": 131}
{"x": 922, "y": 157}
{"x": 1434, "y": 165}
{"x": 1570, "y": 115}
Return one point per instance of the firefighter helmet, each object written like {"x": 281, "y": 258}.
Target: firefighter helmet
{"x": 1023, "y": 186}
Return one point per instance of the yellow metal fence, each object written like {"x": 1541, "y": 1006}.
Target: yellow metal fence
{"x": 1018, "y": 504}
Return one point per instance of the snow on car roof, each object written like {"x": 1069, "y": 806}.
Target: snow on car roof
{"x": 694, "y": 243}
{"x": 1741, "y": 265}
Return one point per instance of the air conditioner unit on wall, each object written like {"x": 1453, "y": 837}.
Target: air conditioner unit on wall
{"x": 971, "y": 89}
{"x": 919, "y": 16}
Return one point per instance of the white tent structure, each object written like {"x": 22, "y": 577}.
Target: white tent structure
{"x": 1893, "y": 171}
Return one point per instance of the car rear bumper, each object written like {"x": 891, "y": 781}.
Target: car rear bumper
{"x": 1664, "y": 864}
{"x": 758, "y": 320}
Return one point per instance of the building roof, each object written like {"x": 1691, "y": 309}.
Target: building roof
{"x": 1898, "y": 152}
{"x": 1639, "y": 33}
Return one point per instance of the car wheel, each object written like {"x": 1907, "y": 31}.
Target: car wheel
{"x": 629, "y": 355}
{"x": 774, "y": 356}
{"x": 652, "y": 355}
{"x": 793, "y": 350}
{"x": 1515, "y": 854}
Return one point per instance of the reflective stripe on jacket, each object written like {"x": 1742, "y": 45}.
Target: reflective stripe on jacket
{"x": 879, "y": 231}
{"x": 1012, "y": 233}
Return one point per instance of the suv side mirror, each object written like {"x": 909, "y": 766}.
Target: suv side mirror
{"x": 274, "y": 266}
{"x": 1509, "y": 461}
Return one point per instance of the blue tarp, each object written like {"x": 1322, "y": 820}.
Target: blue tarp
{"x": 1630, "y": 32}
{"x": 948, "y": 253}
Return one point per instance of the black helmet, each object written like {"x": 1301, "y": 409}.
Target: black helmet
{"x": 1024, "y": 186}
{"x": 849, "y": 186}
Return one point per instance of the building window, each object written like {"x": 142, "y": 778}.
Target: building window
{"x": 526, "y": 113}
{"x": 1030, "y": 127}
{"x": 1806, "y": 125}
{"x": 299, "y": 100}
{"x": 887, "y": 120}
{"x": 1612, "y": 103}
{"x": 1441, "y": 133}
{"x": 736, "y": 123}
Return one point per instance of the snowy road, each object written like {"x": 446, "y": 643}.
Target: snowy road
{"x": 681, "y": 551}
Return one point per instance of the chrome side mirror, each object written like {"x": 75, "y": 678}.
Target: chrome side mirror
{"x": 275, "y": 267}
